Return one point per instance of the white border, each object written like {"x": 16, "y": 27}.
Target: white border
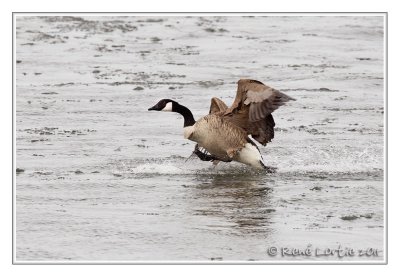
{"x": 314, "y": 262}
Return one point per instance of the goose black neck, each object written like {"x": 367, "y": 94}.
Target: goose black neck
{"x": 186, "y": 113}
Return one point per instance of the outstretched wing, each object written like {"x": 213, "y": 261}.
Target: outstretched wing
{"x": 252, "y": 108}
{"x": 263, "y": 101}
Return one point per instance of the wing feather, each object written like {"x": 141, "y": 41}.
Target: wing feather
{"x": 264, "y": 101}
{"x": 217, "y": 105}
{"x": 252, "y": 108}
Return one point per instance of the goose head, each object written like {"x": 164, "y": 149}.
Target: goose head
{"x": 168, "y": 105}
{"x": 164, "y": 105}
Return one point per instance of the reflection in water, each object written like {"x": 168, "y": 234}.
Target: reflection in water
{"x": 240, "y": 203}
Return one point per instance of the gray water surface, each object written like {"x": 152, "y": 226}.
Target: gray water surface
{"x": 105, "y": 180}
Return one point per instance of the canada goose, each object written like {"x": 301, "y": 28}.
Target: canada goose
{"x": 224, "y": 132}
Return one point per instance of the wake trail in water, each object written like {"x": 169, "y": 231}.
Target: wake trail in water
{"x": 191, "y": 166}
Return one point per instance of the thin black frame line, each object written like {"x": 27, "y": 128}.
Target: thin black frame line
{"x": 203, "y": 263}
{"x": 202, "y": 12}
{"x": 386, "y": 39}
{"x": 384, "y": 262}
{"x": 12, "y": 142}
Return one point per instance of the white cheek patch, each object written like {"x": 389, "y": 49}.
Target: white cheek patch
{"x": 168, "y": 107}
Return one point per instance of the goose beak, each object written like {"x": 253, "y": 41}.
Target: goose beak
{"x": 154, "y": 108}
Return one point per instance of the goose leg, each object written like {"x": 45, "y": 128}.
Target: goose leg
{"x": 203, "y": 156}
{"x": 215, "y": 163}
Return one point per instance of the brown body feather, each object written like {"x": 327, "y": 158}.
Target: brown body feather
{"x": 224, "y": 132}
{"x": 220, "y": 137}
